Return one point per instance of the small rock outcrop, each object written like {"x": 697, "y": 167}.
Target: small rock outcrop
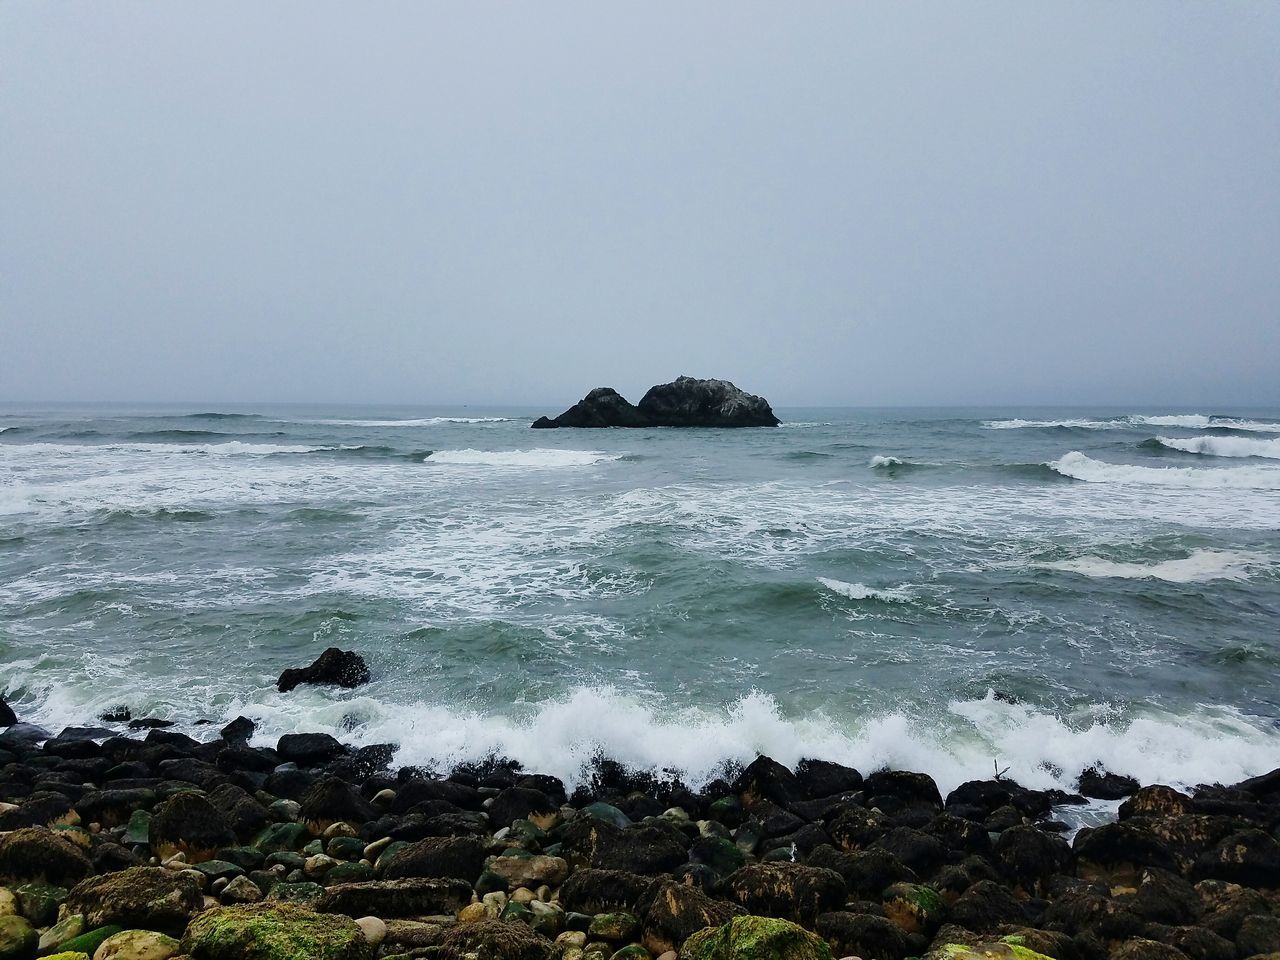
{"x": 341, "y": 668}
{"x": 685, "y": 402}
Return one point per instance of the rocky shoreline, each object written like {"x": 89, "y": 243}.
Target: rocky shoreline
{"x": 146, "y": 847}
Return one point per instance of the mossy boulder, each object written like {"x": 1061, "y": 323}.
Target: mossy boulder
{"x": 37, "y": 853}
{"x": 396, "y": 898}
{"x": 89, "y": 942}
{"x": 18, "y": 939}
{"x": 495, "y": 940}
{"x": 755, "y": 938}
{"x": 188, "y": 823}
{"x": 438, "y": 857}
{"x": 996, "y": 950}
{"x": 788, "y": 891}
{"x": 274, "y": 931}
{"x": 137, "y": 945}
{"x": 150, "y": 898}
{"x": 67, "y": 955}
{"x": 673, "y": 912}
{"x": 914, "y": 908}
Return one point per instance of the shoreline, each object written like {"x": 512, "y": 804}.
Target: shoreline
{"x": 254, "y": 846}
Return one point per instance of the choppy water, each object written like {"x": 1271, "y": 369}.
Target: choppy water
{"x": 942, "y": 590}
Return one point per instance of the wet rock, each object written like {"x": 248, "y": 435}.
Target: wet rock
{"x": 647, "y": 849}
{"x": 1248, "y": 857}
{"x": 7, "y": 717}
{"x": 914, "y": 908}
{"x": 494, "y": 940}
{"x": 755, "y": 938}
{"x": 113, "y": 807}
{"x": 150, "y": 898}
{"x": 1224, "y": 906}
{"x": 862, "y": 935}
{"x": 245, "y": 815}
{"x": 306, "y": 749}
{"x": 530, "y": 871}
{"x": 960, "y": 836}
{"x": 985, "y": 906}
{"x": 238, "y": 732}
{"x": 188, "y": 823}
{"x": 1259, "y": 934}
{"x": 599, "y": 891}
{"x": 334, "y": 667}
{"x": 273, "y": 931}
{"x": 240, "y": 890}
{"x": 523, "y": 803}
{"x": 1196, "y": 942}
{"x": 601, "y": 407}
{"x": 414, "y": 897}
{"x": 903, "y": 788}
{"x": 1118, "y": 852}
{"x": 329, "y": 801}
{"x": 1139, "y": 948}
{"x": 786, "y": 890}
{"x": 1100, "y": 785}
{"x": 685, "y": 402}
{"x": 1028, "y": 856}
{"x": 1164, "y": 897}
{"x": 1156, "y": 801}
{"x": 41, "y": 809}
{"x": 438, "y": 857}
{"x": 672, "y": 912}
{"x": 1097, "y": 916}
{"x": 917, "y": 850}
{"x": 137, "y": 945}
{"x": 18, "y": 939}
{"x": 37, "y": 853}
{"x": 857, "y": 828}
{"x": 866, "y": 872}
{"x": 721, "y": 855}
{"x": 822, "y": 778}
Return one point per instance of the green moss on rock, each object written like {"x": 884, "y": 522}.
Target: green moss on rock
{"x": 89, "y": 942}
{"x": 18, "y": 939}
{"x": 755, "y": 938}
{"x": 999, "y": 950}
{"x": 274, "y": 931}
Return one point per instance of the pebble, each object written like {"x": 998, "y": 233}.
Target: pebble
{"x": 372, "y": 850}
{"x": 339, "y": 829}
{"x": 472, "y": 912}
{"x": 374, "y": 930}
{"x": 523, "y": 895}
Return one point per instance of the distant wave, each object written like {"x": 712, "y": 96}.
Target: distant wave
{"x": 1198, "y": 567}
{"x": 230, "y": 448}
{"x": 178, "y": 435}
{"x": 860, "y": 591}
{"x": 213, "y": 415}
{"x": 420, "y": 422}
{"x": 1190, "y": 421}
{"x": 1080, "y": 467}
{"x": 881, "y": 461}
{"x": 1224, "y": 446}
{"x": 538, "y": 457}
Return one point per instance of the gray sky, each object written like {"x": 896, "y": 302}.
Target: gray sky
{"x": 835, "y": 203}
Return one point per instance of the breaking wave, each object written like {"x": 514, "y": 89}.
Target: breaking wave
{"x": 860, "y": 591}
{"x": 1078, "y": 466}
{"x": 537, "y": 457}
{"x": 1198, "y": 567}
{"x": 418, "y": 422}
{"x": 1190, "y": 421}
{"x": 1224, "y": 446}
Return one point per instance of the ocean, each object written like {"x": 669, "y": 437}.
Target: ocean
{"x": 953, "y": 591}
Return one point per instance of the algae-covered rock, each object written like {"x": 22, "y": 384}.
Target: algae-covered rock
{"x": 37, "y": 853}
{"x": 495, "y": 940}
{"x": 673, "y": 912}
{"x": 137, "y": 945}
{"x": 274, "y": 931}
{"x": 755, "y": 938}
{"x": 150, "y": 898}
{"x": 397, "y": 898}
{"x": 188, "y": 823}
{"x": 68, "y": 928}
{"x": 786, "y": 890}
{"x": 88, "y": 943}
{"x": 67, "y": 955}
{"x": 995, "y": 950}
{"x": 18, "y": 939}
{"x": 913, "y": 907}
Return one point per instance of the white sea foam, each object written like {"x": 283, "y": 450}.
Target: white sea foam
{"x": 537, "y": 457}
{"x": 1224, "y": 446}
{"x": 879, "y": 461}
{"x": 860, "y": 591}
{"x": 560, "y": 736}
{"x": 230, "y": 448}
{"x": 417, "y": 422}
{"x": 1199, "y": 566}
{"x": 1078, "y": 466}
{"x": 1189, "y": 421}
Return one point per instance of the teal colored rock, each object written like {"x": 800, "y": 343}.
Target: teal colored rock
{"x": 289, "y": 859}
{"x": 139, "y": 828}
{"x": 516, "y": 911}
{"x": 618, "y": 927}
{"x": 280, "y": 836}
{"x": 780, "y": 855}
{"x": 546, "y": 918}
{"x": 218, "y": 869}
{"x": 18, "y": 939}
{"x": 246, "y": 858}
{"x": 306, "y": 893}
{"x": 388, "y": 852}
{"x": 39, "y": 902}
{"x": 274, "y": 931}
{"x": 726, "y": 810}
{"x": 525, "y": 833}
{"x": 348, "y": 873}
{"x": 345, "y": 848}
{"x": 89, "y": 942}
{"x": 719, "y": 853}
{"x": 632, "y": 951}
{"x": 607, "y": 813}
{"x": 755, "y": 938}
{"x": 314, "y": 847}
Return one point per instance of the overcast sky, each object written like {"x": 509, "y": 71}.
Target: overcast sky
{"x": 844, "y": 203}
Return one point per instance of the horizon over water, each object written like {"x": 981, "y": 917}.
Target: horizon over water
{"x": 934, "y": 589}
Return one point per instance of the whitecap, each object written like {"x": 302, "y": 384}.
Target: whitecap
{"x": 860, "y": 591}
{"x": 879, "y": 461}
{"x": 417, "y": 422}
{"x": 537, "y": 457}
{"x": 1198, "y": 567}
{"x": 1224, "y": 446}
{"x": 1078, "y": 466}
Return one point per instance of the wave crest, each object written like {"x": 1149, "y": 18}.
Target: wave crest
{"x": 1198, "y": 567}
{"x": 1224, "y": 446}
{"x": 860, "y": 591}
{"x": 1078, "y": 466}
{"x": 537, "y": 457}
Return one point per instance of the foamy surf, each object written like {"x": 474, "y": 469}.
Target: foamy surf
{"x": 540, "y": 457}
{"x": 860, "y": 591}
{"x": 1188, "y": 421}
{"x": 879, "y": 462}
{"x": 1078, "y": 466}
{"x": 416, "y": 422}
{"x": 1199, "y": 566}
{"x": 1224, "y": 446}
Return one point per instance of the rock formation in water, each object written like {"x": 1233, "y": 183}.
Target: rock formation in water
{"x": 685, "y": 402}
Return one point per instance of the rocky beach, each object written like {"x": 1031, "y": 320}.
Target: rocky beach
{"x": 127, "y": 840}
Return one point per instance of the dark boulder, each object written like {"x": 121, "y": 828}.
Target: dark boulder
{"x": 188, "y": 823}
{"x": 821, "y": 778}
{"x": 985, "y": 906}
{"x": 416, "y": 897}
{"x": 522, "y": 803}
{"x": 41, "y": 809}
{"x": 1156, "y": 801}
{"x": 111, "y": 808}
{"x": 1119, "y": 851}
{"x": 330, "y": 800}
{"x": 788, "y": 891}
{"x": 1225, "y": 906}
{"x": 1140, "y": 948}
{"x": 7, "y": 717}
{"x": 335, "y": 667}
{"x": 861, "y": 935}
{"x": 238, "y": 731}
{"x": 418, "y": 790}
{"x": 918, "y": 850}
{"x": 37, "y": 853}
{"x": 866, "y": 872}
{"x": 1196, "y": 942}
{"x": 685, "y": 402}
{"x": 901, "y": 788}
{"x": 1027, "y": 856}
{"x": 1100, "y": 785}
{"x": 766, "y": 779}
{"x": 651, "y": 848}
{"x": 671, "y": 912}
{"x": 1259, "y": 934}
{"x": 603, "y": 891}
{"x": 1089, "y": 913}
{"x": 1248, "y": 857}
{"x": 494, "y": 940}
{"x": 147, "y": 898}
{"x": 245, "y": 815}
{"x": 857, "y": 828}
{"x": 1164, "y": 897}
{"x": 438, "y": 857}
{"x": 308, "y": 749}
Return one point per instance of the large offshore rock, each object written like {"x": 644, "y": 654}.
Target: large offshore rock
{"x": 684, "y": 402}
